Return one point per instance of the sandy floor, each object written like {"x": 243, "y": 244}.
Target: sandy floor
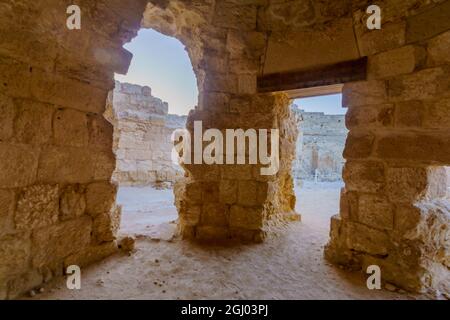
{"x": 290, "y": 266}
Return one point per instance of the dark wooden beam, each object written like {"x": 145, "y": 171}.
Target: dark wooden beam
{"x": 339, "y": 73}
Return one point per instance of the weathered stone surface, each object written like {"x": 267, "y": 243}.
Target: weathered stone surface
{"x": 409, "y": 113}
{"x": 7, "y": 206}
{"x": 142, "y": 129}
{"x": 64, "y": 164}
{"x": 37, "y": 207}
{"x": 15, "y": 255}
{"x": 422, "y": 85}
{"x": 33, "y": 123}
{"x": 358, "y": 145}
{"x": 438, "y": 49}
{"x": 364, "y": 176}
{"x": 72, "y": 202}
{"x": 373, "y": 116}
{"x": 366, "y": 239}
{"x": 100, "y": 197}
{"x": 321, "y": 139}
{"x": 18, "y": 165}
{"x": 428, "y": 23}
{"x": 7, "y": 114}
{"x": 91, "y": 254}
{"x": 395, "y": 62}
{"x": 390, "y": 36}
{"x": 70, "y": 128}
{"x": 422, "y": 147}
{"x": 106, "y": 225}
{"x": 246, "y": 217}
{"x": 375, "y": 211}
{"x": 364, "y": 93}
{"x": 56, "y": 242}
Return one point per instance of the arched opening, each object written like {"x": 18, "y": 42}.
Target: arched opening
{"x": 147, "y": 105}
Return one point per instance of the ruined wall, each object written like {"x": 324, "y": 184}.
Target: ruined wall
{"x": 320, "y": 146}
{"x": 56, "y": 159}
{"x": 394, "y": 207}
{"x": 142, "y": 137}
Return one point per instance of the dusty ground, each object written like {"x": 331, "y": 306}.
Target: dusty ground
{"x": 290, "y": 266}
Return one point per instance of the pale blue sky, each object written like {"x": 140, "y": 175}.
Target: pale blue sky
{"x": 161, "y": 63}
{"x": 331, "y": 104}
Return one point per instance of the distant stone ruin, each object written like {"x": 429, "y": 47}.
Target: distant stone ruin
{"x": 320, "y": 144}
{"x": 142, "y": 131}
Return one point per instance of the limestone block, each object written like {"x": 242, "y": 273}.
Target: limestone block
{"x": 297, "y": 49}
{"x": 15, "y": 255}
{"x": 391, "y": 35}
{"x": 395, "y": 62}
{"x": 228, "y": 191}
{"x": 409, "y": 113}
{"x": 37, "y": 206}
{"x": 211, "y": 233}
{"x": 236, "y": 172}
{"x": 193, "y": 192}
{"x": 72, "y": 202}
{"x": 100, "y": 132}
{"x": 7, "y": 206}
{"x": 428, "y": 23}
{"x": 425, "y": 84}
{"x": 24, "y": 282}
{"x": 417, "y": 146}
{"x": 365, "y": 239}
{"x": 106, "y": 225}
{"x": 247, "y": 84}
{"x": 190, "y": 214}
{"x": 70, "y": 128}
{"x": 15, "y": 77}
{"x": 105, "y": 164}
{"x": 375, "y": 211}
{"x": 56, "y": 242}
{"x": 407, "y": 217}
{"x": 100, "y": 198}
{"x": 438, "y": 49}
{"x": 33, "y": 124}
{"x": 246, "y": 217}
{"x": 18, "y": 165}
{"x": 358, "y": 145}
{"x": 233, "y": 15}
{"x": 373, "y": 115}
{"x": 91, "y": 254}
{"x": 214, "y": 214}
{"x": 66, "y": 92}
{"x": 437, "y": 114}
{"x": 364, "y": 93}
{"x": 248, "y": 193}
{"x": 66, "y": 164}
{"x": 364, "y": 176}
{"x": 7, "y": 114}
{"x": 210, "y": 191}
{"x": 348, "y": 205}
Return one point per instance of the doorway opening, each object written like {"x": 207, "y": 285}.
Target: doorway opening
{"x": 317, "y": 167}
{"x": 147, "y": 105}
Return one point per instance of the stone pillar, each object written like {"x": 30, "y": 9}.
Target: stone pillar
{"x": 395, "y": 206}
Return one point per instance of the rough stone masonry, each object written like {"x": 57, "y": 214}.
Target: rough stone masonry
{"x": 56, "y": 148}
{"x": 142, "y": 137}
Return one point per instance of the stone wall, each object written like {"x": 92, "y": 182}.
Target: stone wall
{"x": 56, "y": 158}
{"x": 395, "y": 206}
{"x": 320, "y": 146}
{"x": 142, "y": 137}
